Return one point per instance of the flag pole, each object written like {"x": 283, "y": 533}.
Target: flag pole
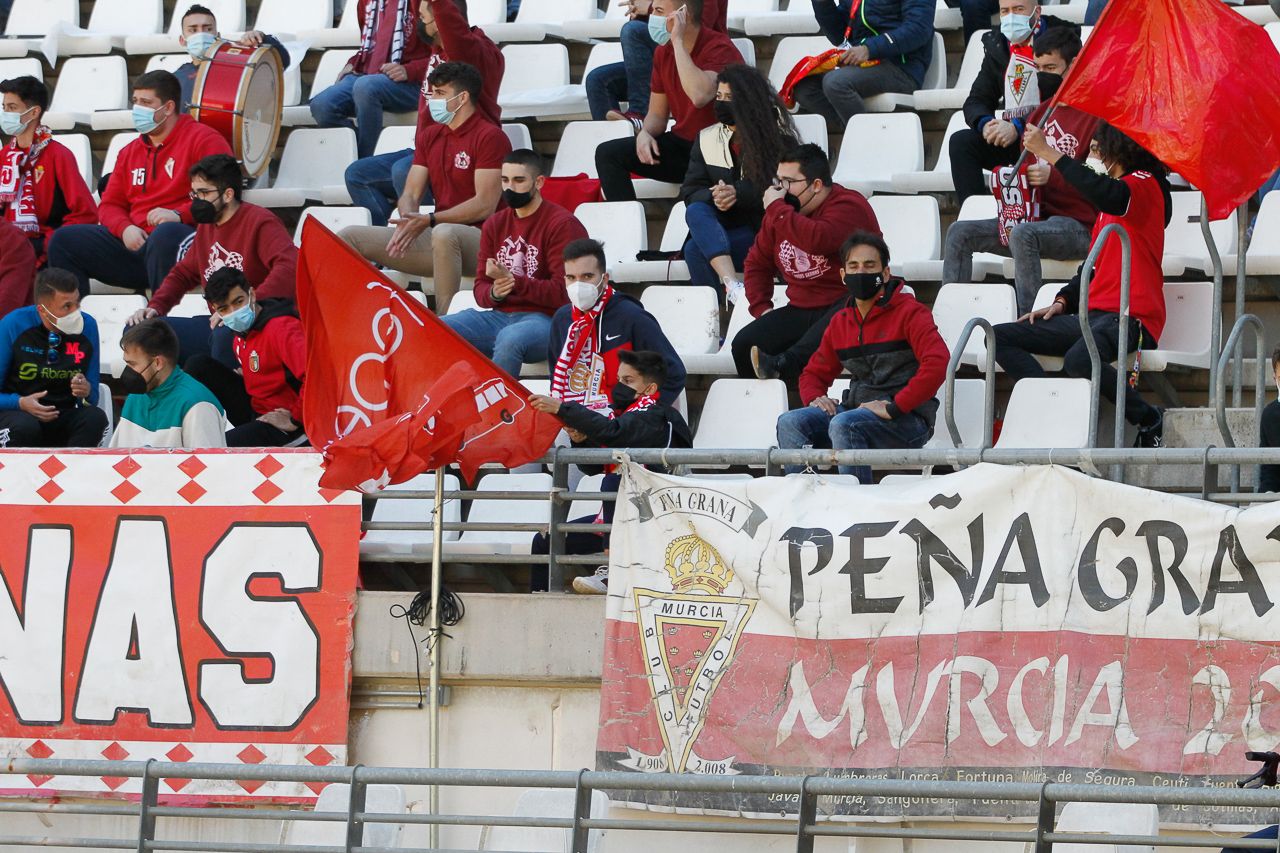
{"x": 437, "y": 546}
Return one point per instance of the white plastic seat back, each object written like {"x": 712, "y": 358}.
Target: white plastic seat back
{"x": 491, "y": 511}
{"x": 543, "y": 12}
{"x": 1046, "y": 412}
{"x": 293, "y": 16}
{"x": 544, "y": 802}
{"x": 877, "y": 146}
{"x": 585, "y": 508}
{"x": 689, "y": 316}
{"x": 336, "y": 797}
{"x": 1109, "y": 819}
{"x": 419, "y": 510}
{"x": 1183, "y": 241}
{"x": 395, "y": 137}
{"x": 619, "y": 225}
{"x": 812, "y": 128}
{"x": 970, "y": 398}
{"x": 314, "y": 159}
{"x": 937, "y": 179}
{"x": 334, "y": 218}
{"x": 170, "y": 62}
{"x": 1188, "y": 325}
{"x": 78, "y": 144}
{"x": 87, "y": 84}
{"x": 541, "y": 67}
{"x": 791, "y": 50}
{"x": 191, "y": 305}
{"x": 38, "y": 17}
{"x": 126, "y": 17}
{"x": 577, "y": 152}
{"x": 518, "y": 135}
{"x": 741, "y": 413}
{"x": 956, "y": 304}
{"x": 114, "y": 147}
{"x": 331, "y": 64}
{"x": 931, "y": 98}
{"x": 463, "y": 300}
{"x": 22, "y": 67}
{"x": 911, "y": 226}
{"x": 110, "y": 312}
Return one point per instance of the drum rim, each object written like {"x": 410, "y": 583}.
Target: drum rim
{"x": 255, "y": 55}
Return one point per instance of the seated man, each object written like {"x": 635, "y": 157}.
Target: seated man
{"x": 383, "y": 76}
{"x": 806, "y": 218}
{"x": 229, "y": 233}
{"x": 459, "y": 155}
{"x": 41, "y": 189}
{"x": 685, "y": 66}
{"x": 521, "y": 255}
{"x": 1269, "y": 434}
{"x": 263, "y": 397}
{"x": 145, "y": 211}
{"x": 590, "y": 333}
{"x": 49, "y": 370}
{"x": 887, "y": 46}
{"x": 636, "y": 419}
{"x": 165, "y": 407}
{"x": 975, "y": 15}
{"x": 1002, "y": 95}
{"x": 376, "y": 181}
{"x": 1062, "y": 230}
{"x": 200, "y": 34}
{"x": 889, "y": 344}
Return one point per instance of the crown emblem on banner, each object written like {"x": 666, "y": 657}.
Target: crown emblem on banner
{"x": 695, "y": 566}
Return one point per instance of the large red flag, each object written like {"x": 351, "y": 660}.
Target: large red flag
{"x": 391, "y": 391}
{"x": 1194, "y": 83}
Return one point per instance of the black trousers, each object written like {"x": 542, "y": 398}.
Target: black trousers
{"x": 82, "y": 426}
{"x": 91, "y": 251}
{"x": 576, "y": 543}
{"x": 617, "y": 161}
{"x": 970, "y": 154}
{"x": 228, "y": 387}
{"x": 1017, "y": 343}
{"x": 775, "y": 333}
{"x": 1269, "y": 436}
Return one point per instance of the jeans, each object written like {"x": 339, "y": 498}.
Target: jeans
{"x": 1091, "y": 13}
{"x": 837, "y": 95}
{"x": 708, "y": 239}
{"x": 366, "y": 97}
{"x": 91, "y": 251}
{"x": 1058, "y": 237}
{"x": 1270, "y": 831}
{"x": 1017, "y": 343}
{"x": 617, "y": 161}
{"x": 376, "y": 183}
{"x": 976, "y": 14}
{"x": 510, "y": 338}
{"x": 196, "y": 338}
{"x": 82, "y": 426}
{"x": 850, "y": 429}
{"x": 1269, "y": 436}
{"x": 627, "y": 80}
{"x": 774, "y": 333}
{"x": 970, "y": 154}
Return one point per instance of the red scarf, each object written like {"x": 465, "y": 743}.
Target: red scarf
{"x": 643, "y": 402}
{"x": 573, "y": 380}
{"x": 17, "y": 188}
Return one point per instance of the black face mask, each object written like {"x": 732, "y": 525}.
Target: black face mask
{"x": 623, "y": 396}
{"x": 516, "y": 200}
{"x": 204, "y": 212}
{"x": 793, "y": 201}
{"x": 724, "y": 112}
{"x": 863, "y": 285}
{"x": 422, "y": 33}
{"x": 1048, "y": 84}
{"x": 132, "y": 381}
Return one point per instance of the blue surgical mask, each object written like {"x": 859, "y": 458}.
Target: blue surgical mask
{"x": 241, "y": 319}
{"x": 11, "y": 124}
{"x": 1016, "y": 28}
{"x": 144, "y": 119}
{"x": 658, "y": 29}
{"x": 198, "y": 44}
{"x": 440, "y": 112}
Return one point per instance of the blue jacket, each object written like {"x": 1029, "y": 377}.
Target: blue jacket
{"x": 898, "y": 31}
{"x": 29, "y": 365}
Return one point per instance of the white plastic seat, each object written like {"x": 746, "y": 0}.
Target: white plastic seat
{"x": 518, "y": 511}
{"x": 1046, "y": 412}
{"x": 689, "y": 316}
{"x": 170, "y": 62}
{"x": 938, "y": 179}
{"x": 284, "y": 18}
{"x": 720, "y": 362}
{"x": 577, "y": 152}
{"x": 36, "y": 18}
{"x": 518, "y": 135}
{"x": 791, "y": 50}
{"x": 229, "y": 14}
{"x": 607, "y": 27}
{"x": 1184, "y": 244}
{"x": 911, "y": 225}
{"x": 570, "y": 100}
{"x": 346, "y": 34}
{"x": 464, "y": 300}
{"x": 970, "y": 400}
{"x": 87, "y": 84}
{"x": 108, "y": 407}
{"x": 541, "y": 84}
{"x": 396, "y": 137}
{"x": 545, "y": 802}
{"x": 877, "y": 146}
{"x": 619, "y": 225}
{"x": 110, "y": 313}
{"x": 191, "y": 305}
{"x": 416, "y": 543}
{"x": 1109, "y": 818}
{"x": 739, "y": 9}
{"x": 957, "y": 303}
{"x": 935, "y": 77}
{"x": 741, "y": 413}
{"x": 1264, "y": 248}
{"x": 747, "y": 48}
{"x": 673, "y": 238}
{"x": 79, "y": 145}
{"x": 333, "y": 217}
{"x": 953, "y": 98}
{"x": 813, "y": 128}
{"x": 114, "y": 147}
{"x": 23, "y": 66}
{"x": 336, "y": 796}
{"x": 796, "y": 19}
{"x": 539, "y": 18}
{"x": 314, "y": 160}
{"x": 590, "y": 483}
{"x": 331, "y": 64}
{"x": 110, "y": 23}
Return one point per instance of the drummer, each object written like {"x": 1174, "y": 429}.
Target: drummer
{"x": 200, "y": 34}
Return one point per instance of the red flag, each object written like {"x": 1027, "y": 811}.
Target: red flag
{"x": 391, "y": 391}
{"x": 1191, "y": 81}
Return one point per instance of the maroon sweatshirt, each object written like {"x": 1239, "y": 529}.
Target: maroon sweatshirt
{"x": 805, "y": 250}
{"x": 253, "y": 240}
{"x": 1070, "y": 131}
{"x": 458, "y": 42}
{"x": 414, "y": 56}
{"x": 533, "y": 249}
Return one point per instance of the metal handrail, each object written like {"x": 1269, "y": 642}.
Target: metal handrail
{"x": 1215, "y": 328}
{"x": 1235, "y": 344}
{"x": 989, "y": 396}
{"x": 1122, "y": 344}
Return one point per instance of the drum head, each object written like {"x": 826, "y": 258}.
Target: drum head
{"x": 261, "y": 96}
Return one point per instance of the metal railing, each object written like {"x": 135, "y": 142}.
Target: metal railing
{"x": 989, "y": 374}
{"x": 1235, "y": 348}
{"x": 1091, "y": 344}
{"x": 806, "y": 826}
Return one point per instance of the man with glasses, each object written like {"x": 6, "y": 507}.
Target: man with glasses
{"x": 49, "y": 365}
{"x": 806, "y": 219}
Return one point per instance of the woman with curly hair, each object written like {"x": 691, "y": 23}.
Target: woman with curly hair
{"x": 731, "y": 166}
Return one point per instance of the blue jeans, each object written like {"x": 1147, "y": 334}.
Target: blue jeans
{"x": 366, "y": 97}
{"x": 975, "y": 14}
{"x": 626, "y": 80}
{"x": 1269, "y": 832}
{"x": 376, "y": 183}
{"x": 510, "y": 338}
{"x": 850, "y": 429}
{"x": 1092, "y": 11}
{"x": 709, "y": 239}
{"x": 91, "y": 251}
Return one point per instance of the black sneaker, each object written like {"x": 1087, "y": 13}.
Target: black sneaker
{"x": 766, "y": 366}
{"x": 1152, "y": 436}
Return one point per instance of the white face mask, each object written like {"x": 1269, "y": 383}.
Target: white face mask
{"x": 583, "y": 294}
{"x": 1096, "y": 165}
{"x": 70, "y": 324}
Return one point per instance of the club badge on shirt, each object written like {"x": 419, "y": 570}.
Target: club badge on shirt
{"x": 462, "y": 160}
{"x": 799, "y": 264}
{"x": 168, "y": 167}
{"x": 253, "y": 361}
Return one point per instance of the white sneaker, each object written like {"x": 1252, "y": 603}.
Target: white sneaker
{"x": 733, "y": 291}
{"x": 597, "y": 584}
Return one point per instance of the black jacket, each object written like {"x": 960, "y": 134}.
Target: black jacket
{"x": 656, "y": 426}
{"x": 986, "y": 96}
{"x": 713, "y": 161}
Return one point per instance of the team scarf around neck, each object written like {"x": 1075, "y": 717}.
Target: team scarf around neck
{"x": 579, "y": 347}
{"x": 370, "y": 29}
{"x": 17, "y": 188}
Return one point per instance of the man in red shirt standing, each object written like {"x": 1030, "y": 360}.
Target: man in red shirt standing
{"x": 145, "y": 211}
{"x": 685, "y": 65}
{"x": 384, "y": 75}
{"x": 520, "y": 269}
{"x": 459, "y": 156}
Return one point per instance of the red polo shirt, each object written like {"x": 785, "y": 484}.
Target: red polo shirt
{"x": 711, "y": 52}
{"x": 453, "y": 156}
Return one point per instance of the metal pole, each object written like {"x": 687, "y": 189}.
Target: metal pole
{"x": 559, "y": 515}
{"x": 1215, "y": 324}
{"x": 437, "y": 548}
{"x": 1086, "y": 331}
{"x": 1237, "y": 371}
{"x": 1235, "y": 343}
{"x": 988, "y": 400}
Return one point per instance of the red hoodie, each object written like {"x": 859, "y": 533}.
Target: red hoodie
{"x": 273, "y": 359}
{"x": 62, "y": 198}
{"x": 805, "y": 250}
{"x": 253, "y": 240}
{"x": 147, "y": 176}
{"x": 533, "y": 249}
{"x": 459, "y": 42}
{"x": 895, "y": 353}
{"x": 413, "y": 56}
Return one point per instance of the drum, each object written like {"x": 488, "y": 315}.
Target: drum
{"x": 239, "y": 92}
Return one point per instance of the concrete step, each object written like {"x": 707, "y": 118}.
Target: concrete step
{"x": 1197, "y": 428}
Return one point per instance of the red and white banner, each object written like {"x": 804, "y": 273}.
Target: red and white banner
{"x": 999, "y": 624}
{"x": 178, "y": 606}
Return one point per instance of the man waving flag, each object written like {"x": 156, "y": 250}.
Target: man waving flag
{"x": 391, "y": 391}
